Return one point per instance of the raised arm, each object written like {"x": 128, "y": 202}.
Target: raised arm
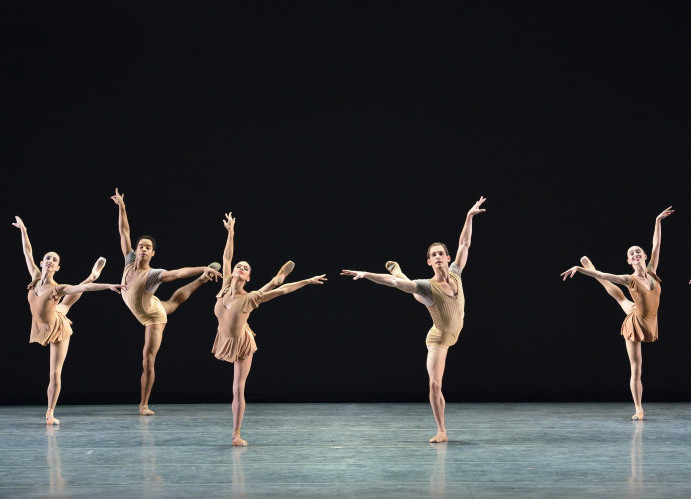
{"x": 657, "y": 238}
{"x": 123, "y": 223}
{"x": 293, "y": 286}
{"x": 172, "y": 275}
{"x": 28, "y": 252}
{"x": 385, "y": 279}
{"x": 229, "y": 224}
{"x": 66, "y": 289}
{"x": 466, "y": 234}
{"x": 624, "y": 280}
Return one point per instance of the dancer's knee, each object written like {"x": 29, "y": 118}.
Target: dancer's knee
{"x": 435, "y": 387}
{"x": 148, "y": 363}
{"x": 238, "y": 391}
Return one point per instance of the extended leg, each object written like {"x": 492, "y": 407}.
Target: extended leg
{"x": 69, "y": 300}
{"x": 58, "y": 352}
{"x": 279, "y": 278}
{"x": 241, "y": 370}
{"x": 152, "y": 342}
{"x": 636, "y": 360}
{"x": 612, "y": 289}
{"x": 182, "y": 294}
{"x": 395, "y": 270}
{"x": 436, "y": 361}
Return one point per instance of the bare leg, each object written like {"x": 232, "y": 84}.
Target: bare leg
{"x": 612, "y": 289}
{"x": 636, "y": 360}
{"x": 182, "y": 294}
{"x": 436, "y": 361}
{"x": 69, "y": 300}
{"x": 395, "y": 270}
{"x": 152, "y": 342}
{"x": 58, "y": 352}
{"x": 241, "y": 370}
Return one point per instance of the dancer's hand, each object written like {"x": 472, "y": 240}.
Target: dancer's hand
{"x": 118, "y": 287}
{"x": 476, "y": 207}
{"x": 318, "y": 279}
{"x": 355, "y": 273}
{"x": 570, "y": 273}
{"x": 19, "y": 224}
{"x": 667, "y": 212}
{"x": 118, "y": 199}
{"x": 229, "y": 222}
{"x": 210, "y": 273}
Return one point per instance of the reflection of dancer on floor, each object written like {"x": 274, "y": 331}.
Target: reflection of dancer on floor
{"x": 142, "y": 282}
{"x": 443, "y": 297}
{"x": 49, "y": 323}
{"x": 234, "y": 340}
{"x": 640, "y": 324}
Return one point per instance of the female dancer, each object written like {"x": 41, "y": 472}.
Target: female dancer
{"x": 640, "y": 324}
{"x": 234, "y": 340}
{"x": 49, "y": 323}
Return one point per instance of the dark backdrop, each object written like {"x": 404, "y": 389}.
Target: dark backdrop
{"x": 343, "y": 135}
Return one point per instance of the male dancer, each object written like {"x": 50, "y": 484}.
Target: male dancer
{"x": 142, "y": 281}
{"x": 443, "y": 297}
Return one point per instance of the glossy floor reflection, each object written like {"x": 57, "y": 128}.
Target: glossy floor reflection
{"x": 348, "y": 450}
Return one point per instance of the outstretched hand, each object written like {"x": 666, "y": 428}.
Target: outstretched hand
{"x": 19, "y": 224}
{"x": 667, "y": 212}
{"x": 476, "y": 207}
{"x": 318, "y": 279}
{"x": 569, "y": 273}
{"x": 357, "y": 274}
{"x": 118, "y": 287}
{"x": 229, "y": 222}
{"x": 118, "y": 199}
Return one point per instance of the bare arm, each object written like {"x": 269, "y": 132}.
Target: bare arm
{"x": 385, "y": 279}
{"x": 292, "y": 286}
{"x": 624, "y": 280}
{"x": 229, "y": 224}
{"x": 28, "y": 252}
{"x": 66, "y": 289}
{"x": 172, "y": 275}
{"x": 123, "y": 223}
{"x": 657, "y": 238}
{"x": 466, "y": 234}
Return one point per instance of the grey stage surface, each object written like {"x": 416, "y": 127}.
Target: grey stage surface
{"x": 348, "y": 450}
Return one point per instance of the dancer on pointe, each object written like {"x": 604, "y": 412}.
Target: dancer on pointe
{"x": 640, "y": 324}
{"x": 443, "y": 297}
{"x": 234, "y": 340}
{"x": 142, "y": 282}
{"x": 49, "y": 303}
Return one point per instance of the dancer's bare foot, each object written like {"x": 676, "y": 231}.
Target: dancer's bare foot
{"x": 283, "y": 273}
{"x": 395, "y": 269}
{"x": 639, "y": 413}
{"x": 145, "y": 411}
{"x": 50, "y": 419}
{"x": 239, "y": 442}
{"x": 439, "y": 437}
{"x": 98, "y": 267}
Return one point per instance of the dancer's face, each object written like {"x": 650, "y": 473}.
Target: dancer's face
{"x": 51, "y": 261}
{"x": 145, "y": 249}
{"x": 438, "y": 257}
{"x": 635, "y": 254}
{"x": 242, "y": 271}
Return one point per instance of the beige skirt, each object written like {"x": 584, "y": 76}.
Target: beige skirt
{"x": 58, "y": 329}
{"x": 230, "y": 349}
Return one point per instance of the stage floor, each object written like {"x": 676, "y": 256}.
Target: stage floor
{"x": 348, "y": 450}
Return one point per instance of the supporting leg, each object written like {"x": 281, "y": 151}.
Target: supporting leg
{"x": 436, "y": 361}
{"x": 58, "y": 352}
{"x": 241, "y": 370}
{"x": 636, "y": 360}
{"x": 153, "y": 335}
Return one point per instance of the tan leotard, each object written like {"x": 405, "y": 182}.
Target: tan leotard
{"x": 447, "y": 311}
{"x": 48, "y": 325}
{"x": 641, "y": 323}
{"x": 234, "y": 338}
{"x": 145, "y": 306}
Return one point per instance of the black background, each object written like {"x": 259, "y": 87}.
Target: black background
{"x": 342, "y": 135}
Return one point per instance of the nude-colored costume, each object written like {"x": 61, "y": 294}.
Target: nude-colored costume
{"x": 145, "y": 306}
{"x": 447, "y": 312}
{"x": 234, "y": 339}
{"x": 48, "y": 325}
{"x": 641, "y": 323}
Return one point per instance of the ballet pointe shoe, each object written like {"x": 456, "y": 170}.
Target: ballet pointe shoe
{"x": 585, "y": 261}
{"x": 639, "y": 414}
{"x": 98, "y": 267}
{"x": 239, "y": 442}
{"x": 145, "y": 411}
{"x": 394, "y": 269}
{"x": 213, "y": 265}
{"x": 283, "y": 273}
{"x": 50, "y": 419}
